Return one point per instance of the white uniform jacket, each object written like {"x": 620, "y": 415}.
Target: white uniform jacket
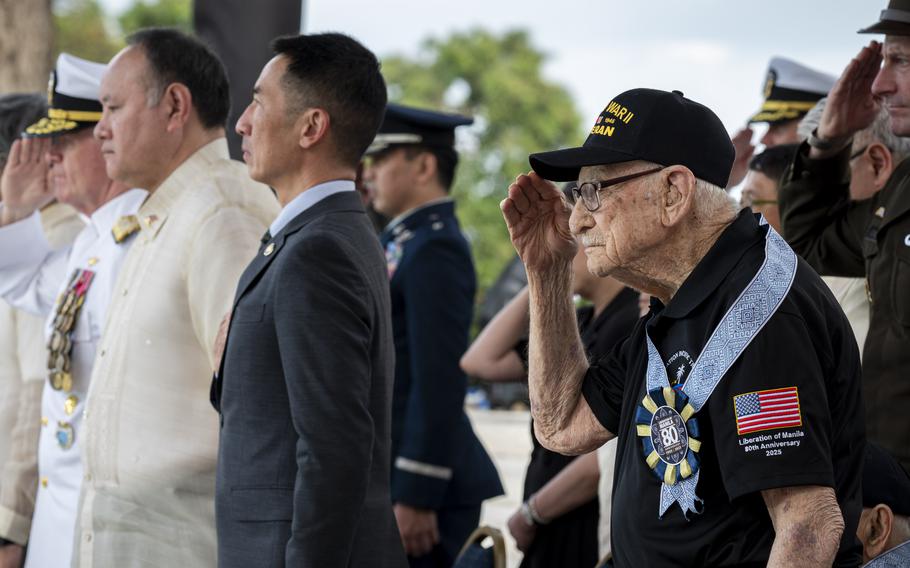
{"x": 32, "y": 277}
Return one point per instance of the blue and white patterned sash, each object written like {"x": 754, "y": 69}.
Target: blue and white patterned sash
{"x": 736, "y": 330}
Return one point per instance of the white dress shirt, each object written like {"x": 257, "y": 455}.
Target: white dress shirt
{"x": 28, "y": 270}
{"x": 306, "y": 200}
{"x": 851, "y": 295}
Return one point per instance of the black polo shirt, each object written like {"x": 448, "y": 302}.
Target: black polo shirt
{"x": 806, "y": 350}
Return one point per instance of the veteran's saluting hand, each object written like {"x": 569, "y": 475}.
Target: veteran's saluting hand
{"x": 538, "y": 220}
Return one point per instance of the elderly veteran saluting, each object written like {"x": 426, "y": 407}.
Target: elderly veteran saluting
{"x": 750, "y": 455}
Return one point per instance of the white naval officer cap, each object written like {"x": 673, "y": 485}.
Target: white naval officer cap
{"x": 791, "y": 90}
{"x": 73, "y": 97}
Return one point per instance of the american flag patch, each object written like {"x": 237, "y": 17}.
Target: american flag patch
{"x": 767, "y": 410}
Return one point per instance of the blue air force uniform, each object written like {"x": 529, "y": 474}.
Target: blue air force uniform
{"x": 438, "y": 462}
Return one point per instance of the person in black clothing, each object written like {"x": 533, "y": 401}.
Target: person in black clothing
{"x": 567, "y": 535}
{"x": 736, "y": 401}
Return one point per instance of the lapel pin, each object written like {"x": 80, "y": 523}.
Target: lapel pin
{"x": 269, "y": 249}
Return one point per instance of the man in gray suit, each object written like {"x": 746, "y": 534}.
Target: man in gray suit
{"x": 305, "y": 384}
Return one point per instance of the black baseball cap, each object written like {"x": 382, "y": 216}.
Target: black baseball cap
{"x": 885, "y": 481}
{"x": 647, "y": 124}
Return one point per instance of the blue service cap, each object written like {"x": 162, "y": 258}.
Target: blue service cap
{"x": 410, "y": 125}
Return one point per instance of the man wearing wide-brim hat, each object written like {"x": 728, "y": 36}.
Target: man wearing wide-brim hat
{"x": 869, "y": 238}
{"x": 750, "y": 455}
{"x": 70, "y": 286}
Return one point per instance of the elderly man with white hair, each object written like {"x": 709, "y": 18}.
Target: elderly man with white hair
{"x": 749, "y": 455}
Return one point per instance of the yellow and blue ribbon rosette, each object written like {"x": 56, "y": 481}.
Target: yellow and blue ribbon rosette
{"x": 666, "y": 424}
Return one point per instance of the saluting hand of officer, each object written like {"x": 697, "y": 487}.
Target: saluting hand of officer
{"x": 24, "y": 187}
{"x": 537, "y": 216}
{"x": 851, "y": 105}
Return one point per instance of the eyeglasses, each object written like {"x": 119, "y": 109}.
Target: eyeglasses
{"x": 589, "y": 191}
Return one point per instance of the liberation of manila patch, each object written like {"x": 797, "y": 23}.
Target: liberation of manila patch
{"x": 767, "y": 410}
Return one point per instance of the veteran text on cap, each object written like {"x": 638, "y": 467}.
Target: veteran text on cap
{"x": 647, "y": 124}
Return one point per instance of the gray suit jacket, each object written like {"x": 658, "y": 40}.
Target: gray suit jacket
{"x": 305, "y": 399}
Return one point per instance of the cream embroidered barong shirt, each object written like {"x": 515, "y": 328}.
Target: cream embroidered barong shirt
{"x": 150, "y": 435}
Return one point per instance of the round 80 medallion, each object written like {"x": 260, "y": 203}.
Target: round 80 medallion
{"x": 669, "y": 435}
{"x": 666, "y": 425}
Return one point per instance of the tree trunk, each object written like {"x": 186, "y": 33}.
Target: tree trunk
{"x": 26, "y": 43}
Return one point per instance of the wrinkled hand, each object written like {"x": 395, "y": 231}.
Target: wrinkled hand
{"x": 851, "y": 106}
{"x": 221, "y": 341}
{"x": 12, "y": 556}
{"x": 742, "y": 144}
{"x": 521, "y": 531}
{"x": 23, "y": 185}
{"x": 418, "y": 529}
{"x": 538, "y": 220}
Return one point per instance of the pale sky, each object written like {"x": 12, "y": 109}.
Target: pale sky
{"x": 714, "y": 51}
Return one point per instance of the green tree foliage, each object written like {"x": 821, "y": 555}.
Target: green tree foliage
{"x": 150, "y": 13}
{"x": 85, "y": 30}
{"x": 498, "y": 80}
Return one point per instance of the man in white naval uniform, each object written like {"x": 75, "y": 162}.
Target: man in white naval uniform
{"x": 71, "y": 286}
